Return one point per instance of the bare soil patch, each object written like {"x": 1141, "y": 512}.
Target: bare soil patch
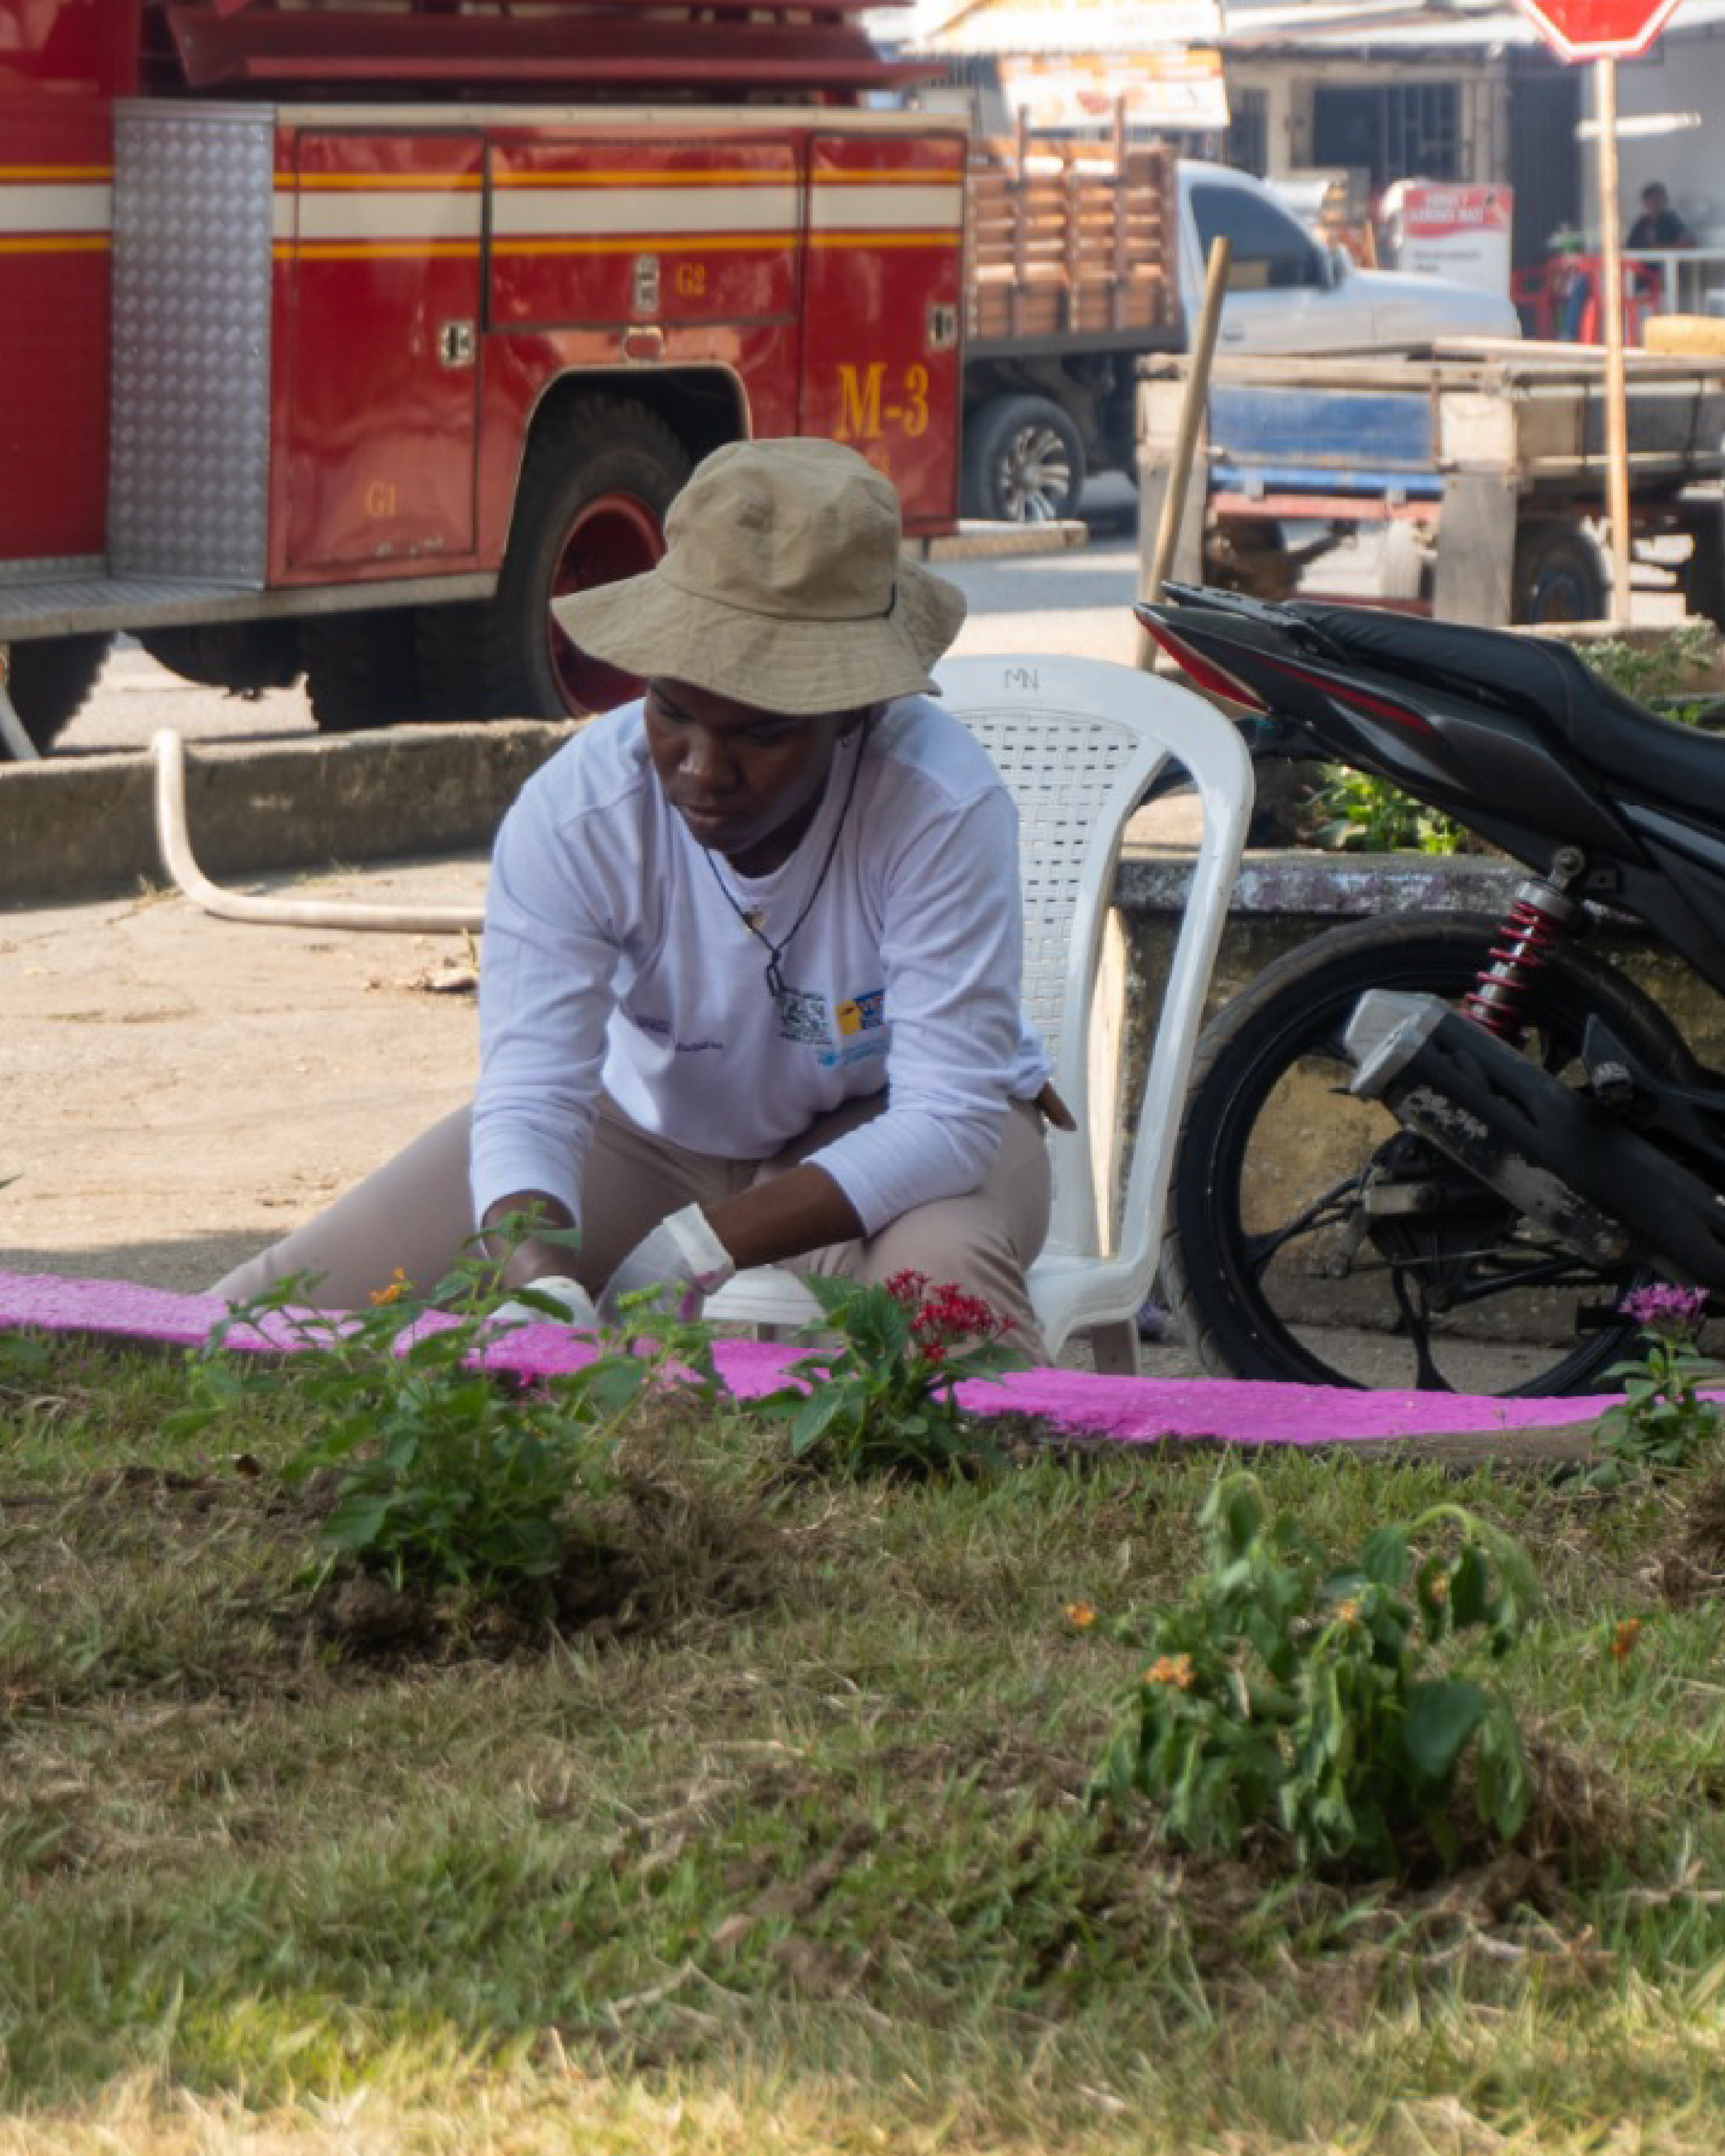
{"x": 181, "y": 1090}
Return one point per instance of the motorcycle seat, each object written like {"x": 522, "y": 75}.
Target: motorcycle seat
{"x": 1543, "y": 680}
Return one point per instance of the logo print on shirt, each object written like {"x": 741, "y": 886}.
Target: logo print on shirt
{"x": 862, "y": 1014}
{"x": 862, "y": 1029}
{"x": 803, "y": 1018}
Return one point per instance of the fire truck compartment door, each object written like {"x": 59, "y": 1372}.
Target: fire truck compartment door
{"x": 385, "y": 279}
{"x": 881, "y": 336}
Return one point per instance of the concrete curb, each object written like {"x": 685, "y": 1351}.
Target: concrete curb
{"x": 975, "y": 541}
{"x": 85, "y": 828}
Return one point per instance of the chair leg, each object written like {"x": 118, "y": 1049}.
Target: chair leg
{"x": 1114, "y": 1348}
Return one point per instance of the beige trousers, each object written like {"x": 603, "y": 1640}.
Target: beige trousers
{"x": 416, "y": 1212}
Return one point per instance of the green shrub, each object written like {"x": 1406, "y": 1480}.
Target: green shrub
{"x": 1662, "y": 1422}
{"x": 881, "y": 1397}
{"x": 1330, "y": 1699}
{"x": 443, "y": 1471}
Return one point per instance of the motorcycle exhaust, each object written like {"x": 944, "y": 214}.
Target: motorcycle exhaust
{"x": 1598, "y": 1188}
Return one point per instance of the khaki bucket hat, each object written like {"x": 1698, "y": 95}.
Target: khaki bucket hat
{"x": 782, "y": 586}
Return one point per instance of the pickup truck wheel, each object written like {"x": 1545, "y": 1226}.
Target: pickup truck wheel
{"x": 49, "y": 679}
{"x": 595, "y": 487}
{"x": 1024, "y": 462}
{"x": 361, "y": 669}
{"x": 1560, "y": 575}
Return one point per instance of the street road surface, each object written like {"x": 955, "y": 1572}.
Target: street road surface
{"x": 1076, "y": 603}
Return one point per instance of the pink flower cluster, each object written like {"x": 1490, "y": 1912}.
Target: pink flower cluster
{"x": 945, "y": 1316}
{"x": 1667, "y": 1312}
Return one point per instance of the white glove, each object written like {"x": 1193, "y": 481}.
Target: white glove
{"x": 569, "y": 1296}
{"x": 682, "y": 1255}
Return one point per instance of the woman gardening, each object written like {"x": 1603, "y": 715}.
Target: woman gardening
{"x": 750, "y": 991}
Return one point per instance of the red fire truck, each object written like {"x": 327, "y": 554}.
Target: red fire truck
{"x": 341, "y": 337}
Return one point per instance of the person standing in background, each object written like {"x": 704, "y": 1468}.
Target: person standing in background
{"x": 1658, "y": 228}
{"x": 1656, "y": 231}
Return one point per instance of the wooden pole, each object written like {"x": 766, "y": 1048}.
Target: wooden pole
{"x": 1617, "y": 494}
{"x": 1197, "y": 383}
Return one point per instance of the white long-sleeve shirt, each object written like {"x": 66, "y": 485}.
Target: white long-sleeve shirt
{"x": 612, "y": 961}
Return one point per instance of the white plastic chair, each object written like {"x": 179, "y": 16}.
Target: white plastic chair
{"x": 1078, "y": 741}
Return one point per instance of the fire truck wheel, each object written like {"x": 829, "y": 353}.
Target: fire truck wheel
{"x": 244, "y": 657}
{"x": 49, "y": 679}
{"x": 361, "y": 669}
{"x": 1024, "y": 462}
{"x": 595, "y": 486}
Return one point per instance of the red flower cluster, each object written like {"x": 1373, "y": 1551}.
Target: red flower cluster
{"x": 944, "y": 1317}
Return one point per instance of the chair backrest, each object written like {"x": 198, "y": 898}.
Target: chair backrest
{"x": 1078, "y": 742}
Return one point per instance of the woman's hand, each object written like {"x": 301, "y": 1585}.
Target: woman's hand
{"x": 526, "y": 1259}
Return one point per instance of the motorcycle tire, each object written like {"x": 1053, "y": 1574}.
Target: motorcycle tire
{"x": 1274, "y": 1264}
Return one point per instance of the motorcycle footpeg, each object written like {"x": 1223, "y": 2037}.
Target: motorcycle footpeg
{"x": 1600, "y": 1188}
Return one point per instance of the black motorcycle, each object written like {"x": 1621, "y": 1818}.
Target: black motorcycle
{"x": 1437, "y": 1150}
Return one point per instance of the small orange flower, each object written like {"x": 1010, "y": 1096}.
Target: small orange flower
{"x": 1175, "y": 1670}
{"x": 1348, "y": 1611}
{"x": 1438, "y": 1586}
{"x": 1080, "y": 1616}
{"x": 1623, "y": 1637}
{"x": 396, "y": 1289}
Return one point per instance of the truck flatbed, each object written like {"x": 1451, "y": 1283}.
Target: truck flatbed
{"x": 1490, "y": 453}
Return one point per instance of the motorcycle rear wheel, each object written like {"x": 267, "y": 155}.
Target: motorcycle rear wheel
{"x": 1273, "y": 1263}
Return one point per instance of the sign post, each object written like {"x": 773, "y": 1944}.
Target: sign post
{"x": 1617, "y": 489}
{"x": 1604, "y": 32}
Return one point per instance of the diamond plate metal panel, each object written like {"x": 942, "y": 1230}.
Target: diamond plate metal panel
{"x": 42, "y": 567}
{"x": 70, "y": 605}
{"x": 189, "y": 487}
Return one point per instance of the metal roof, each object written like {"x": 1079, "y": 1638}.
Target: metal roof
{"x": 1032, "y": 26}
{"x": 1053, "y": 26}
{"x": 1389, "y": 25}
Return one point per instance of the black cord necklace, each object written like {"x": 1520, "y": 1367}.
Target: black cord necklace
{"x": 750, "y": 917}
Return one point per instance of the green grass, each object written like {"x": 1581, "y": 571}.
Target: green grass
{"x": 780, "y": 1842}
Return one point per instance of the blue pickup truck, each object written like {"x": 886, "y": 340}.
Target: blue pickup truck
{"x": 1481, "y": 464}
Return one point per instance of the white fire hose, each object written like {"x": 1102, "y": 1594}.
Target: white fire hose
{"x": 169, "y": 752}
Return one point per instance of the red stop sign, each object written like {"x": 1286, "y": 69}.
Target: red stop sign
{"x": 1598, "y": 30}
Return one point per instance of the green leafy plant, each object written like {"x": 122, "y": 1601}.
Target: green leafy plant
{"x": 1662, "y": 1421}
{"x": 882, "y": 1397}
{"x": 1331, "y": 1700}
{"x": 1660, "y": 673}
{"x": 24, "y": 1360}
{"x": 443, "y": 1471}
{"x": 1352, "y": 811}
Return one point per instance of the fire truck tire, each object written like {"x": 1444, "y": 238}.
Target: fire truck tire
{"x": 49, "y": 679}
{"x": 361, "y": 669}
{"x": 595, "y": 486}
{"x": 1024, "y": 462}
{"x": 244, "y": 657}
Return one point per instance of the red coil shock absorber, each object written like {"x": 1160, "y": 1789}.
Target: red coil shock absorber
{"x": 1538, "y": 915}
